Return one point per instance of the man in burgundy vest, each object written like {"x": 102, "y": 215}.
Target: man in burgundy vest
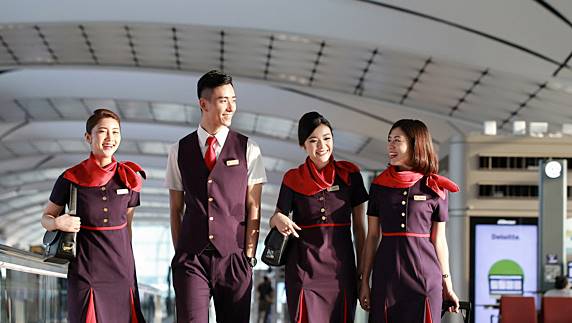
{"x": 215, "y": 178}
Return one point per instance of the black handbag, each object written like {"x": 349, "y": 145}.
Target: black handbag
{"x": 275, "y": 248}
{"x": 60, "y": 246}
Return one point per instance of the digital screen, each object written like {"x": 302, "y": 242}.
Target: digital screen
{"x": 503, "y": 262}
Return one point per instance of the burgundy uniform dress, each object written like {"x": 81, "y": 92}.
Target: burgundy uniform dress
{"x": 407, "y": 277}
{"x": 102, "y": 286}
{"x": 320, "y": 268}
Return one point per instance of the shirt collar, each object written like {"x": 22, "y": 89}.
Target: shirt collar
{"x": 220, "y": 136}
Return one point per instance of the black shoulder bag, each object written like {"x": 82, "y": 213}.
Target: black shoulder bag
{"x": 60, "y": 246}
{"x": 275, "y": 248}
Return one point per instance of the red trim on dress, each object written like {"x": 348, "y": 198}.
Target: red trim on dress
{"x": 324, "y": 225}
{"x": 302, "y": 313}
{"x": 133, "y": 311}
{"x": 90, "y": 315}
{"x": 117, "y": 227}
{"x": 428, "y": 318}
{"x": 406, "y": 234}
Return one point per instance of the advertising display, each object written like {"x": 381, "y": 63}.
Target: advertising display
{"x": 504, "y": 254}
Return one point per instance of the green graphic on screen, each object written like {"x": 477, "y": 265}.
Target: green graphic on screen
{"x": 506, "y": 277}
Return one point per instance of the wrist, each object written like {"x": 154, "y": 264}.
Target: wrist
{"x": 251, "y": 261}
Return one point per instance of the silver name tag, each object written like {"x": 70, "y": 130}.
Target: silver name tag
{"x": 122, "y": 191}
{"x": 419, "y": 197}
{"x": 232, "y": 162}
{"x": 334, "y": 188}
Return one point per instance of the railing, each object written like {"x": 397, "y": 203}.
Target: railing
{"x": 34, "y": 291}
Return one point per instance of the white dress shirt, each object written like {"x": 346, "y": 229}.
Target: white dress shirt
{"x": 254, "y": 164}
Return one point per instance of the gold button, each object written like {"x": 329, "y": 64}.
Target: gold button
{"x": 105, "y": 220}
{"x": 104, "y": 198}
{"x": 103, "y": 188}
{"x": 210, "y": 181}
{"x": 104, "y": 209}
{"x": 402, "y": 225}
{"x": 402, "y": 202}
{"x": 322, "y": 210}
{"x": 211, "y": 237}
{"x": 211, "y": 218}
{"x": 323, "y": 218}
{"x": 211, "y": 199}
{"x": 321, "y": 198}
{"x": 402, "y": 213}
{"x": 404, "y": 192}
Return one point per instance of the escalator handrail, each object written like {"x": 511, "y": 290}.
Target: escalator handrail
{"x": 25, "y": 261}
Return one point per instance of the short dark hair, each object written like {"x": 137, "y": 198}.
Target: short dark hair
{"x": 211, "y": 80}
{"x": 423, "y": 157}
{"x": 99, "y": 114}
{"x": 560, "y": 282}
{"x": 308, "y": 123}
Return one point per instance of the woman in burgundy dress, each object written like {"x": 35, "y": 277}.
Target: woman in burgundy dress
{"x": 102, "y": 287}
{"x": 326, "y": 197}
{"x": 408, "y": 207}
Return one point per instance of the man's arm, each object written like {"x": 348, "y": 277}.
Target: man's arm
{"x": 253, "y": 197}
{"x": 176, "y": 206}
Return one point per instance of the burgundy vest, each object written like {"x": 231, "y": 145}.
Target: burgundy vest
{"x": 216, "y": 202}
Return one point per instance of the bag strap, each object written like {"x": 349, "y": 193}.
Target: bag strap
{"x": 72, "y": 204}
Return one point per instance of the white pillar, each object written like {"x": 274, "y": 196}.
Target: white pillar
{"x": 458, "y": 225}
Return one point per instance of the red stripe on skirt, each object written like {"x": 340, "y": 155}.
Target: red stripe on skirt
{"x": 325, "y": 225}
{"x": 90, "y": 315}
{"x": 302, "y": 314}
{"x": 406, "y": 234}
{"x": 428, "y": 318}
{"x": 133, "y": 311}
{"x": 117, "y": 227}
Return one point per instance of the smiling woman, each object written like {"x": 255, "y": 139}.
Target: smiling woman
{"x": 407, "y": 210}
{"x": 102, "y": 286}
{"x": 326, "y": 198}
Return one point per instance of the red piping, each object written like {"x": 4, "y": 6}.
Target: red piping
{"x": 406, "y": 234}
{"x": 325, "y": 225}
{"x": 117, "y": 227}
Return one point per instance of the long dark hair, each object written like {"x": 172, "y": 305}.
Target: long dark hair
{"x": 423, "y": 157}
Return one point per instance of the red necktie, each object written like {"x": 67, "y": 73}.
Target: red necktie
{"x": 210, "y": 155}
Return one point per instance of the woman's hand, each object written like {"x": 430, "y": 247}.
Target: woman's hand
{"x": 449, "y": 295}
{"x": 67, "y": 223}
{"x": 364, "y": 295}
{"x": 284, "y": 225}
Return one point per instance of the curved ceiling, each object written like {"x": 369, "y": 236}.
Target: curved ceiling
{"x": 364, "y": 64}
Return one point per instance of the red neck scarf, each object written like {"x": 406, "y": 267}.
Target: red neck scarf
{"x": 392, "y": 178}
{"x": 308, "y": 180}
{"x": 88, "y": 173}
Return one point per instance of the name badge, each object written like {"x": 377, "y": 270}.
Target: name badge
{"x": 419, "y": 197}
{"x": 232, "y": 162}
{"x": 334, "y": 188}
{"x": 122, "y": 191}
